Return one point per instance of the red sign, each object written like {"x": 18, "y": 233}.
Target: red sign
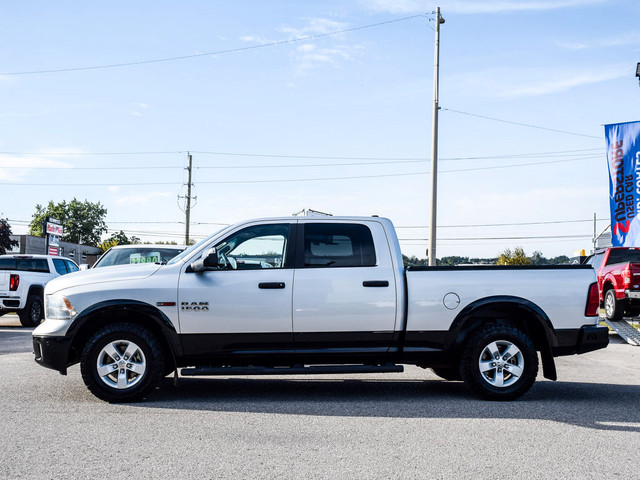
{"x": 53, "y": 251}
{"x": 55, "y": 229}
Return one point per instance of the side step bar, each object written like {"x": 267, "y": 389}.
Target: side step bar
{"x": 296, "y": 370}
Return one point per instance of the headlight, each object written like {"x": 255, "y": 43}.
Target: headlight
{"x": 58, "y": 307}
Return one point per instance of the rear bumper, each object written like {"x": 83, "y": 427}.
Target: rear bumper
{"x": 10, "y": 303}
{"x": 52, "y": 352}
{"x": 581, "y": 340}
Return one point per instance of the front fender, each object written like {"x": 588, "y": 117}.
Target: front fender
{"x": 111, "y": 311}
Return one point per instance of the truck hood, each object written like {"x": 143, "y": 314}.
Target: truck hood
{"x": 102, "y": 275}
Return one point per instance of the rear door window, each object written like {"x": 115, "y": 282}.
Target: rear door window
{"x": 60, "y": 266}
{"x": 329, "y": 245}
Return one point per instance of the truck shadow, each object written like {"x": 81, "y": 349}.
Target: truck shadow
{"x": 589, "y": 405}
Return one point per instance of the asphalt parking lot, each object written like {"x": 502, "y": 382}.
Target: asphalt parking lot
{"x": 409, "y": 425}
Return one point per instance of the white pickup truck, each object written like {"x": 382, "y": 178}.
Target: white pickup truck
{"x": 315, "y": 295}
{"x": 22, "y": 282}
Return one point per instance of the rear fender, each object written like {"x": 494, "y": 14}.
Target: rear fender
{"x": 517, "y": 311}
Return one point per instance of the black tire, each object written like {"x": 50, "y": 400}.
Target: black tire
{"x": 110, "y": 374}
{"x": 509, "y": 372}
{"x": 448, "y": 373}
{"x": 33, "y": 312}
{"x": 613, "y": 308}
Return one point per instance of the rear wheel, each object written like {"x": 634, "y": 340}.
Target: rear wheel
{"x": 33, "y": 311}
{"x": 613, "y": 308}
{"x": 499, "y": 362}
{"x": 122, "y": 363}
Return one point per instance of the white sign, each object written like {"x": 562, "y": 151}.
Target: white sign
{"x": 54, "y": 229}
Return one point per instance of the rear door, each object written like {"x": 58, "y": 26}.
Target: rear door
{"x": 344, "y": 298}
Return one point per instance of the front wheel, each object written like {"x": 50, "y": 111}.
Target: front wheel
{"x": 122, "y": 363}
{"x": 499, "y": 362}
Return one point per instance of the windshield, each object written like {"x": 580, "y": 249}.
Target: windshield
{"x": 136, "y": 255}
{"x": 194, "y": 247}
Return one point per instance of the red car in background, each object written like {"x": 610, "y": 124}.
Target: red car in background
{"x": 618, "y": 271}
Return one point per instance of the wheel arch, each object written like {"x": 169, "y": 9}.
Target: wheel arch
{"x": 123, "y": 311}
{"x": 516, "y": 311}
{"x": 36, "y": 290}
{"x": 609, "y": 283}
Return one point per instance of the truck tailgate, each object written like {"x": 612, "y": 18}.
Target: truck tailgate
{"x": 4, "y": 283}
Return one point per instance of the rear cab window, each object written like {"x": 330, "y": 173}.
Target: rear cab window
{"x": 623, "y": 256}
{"x": 32, "y": 265}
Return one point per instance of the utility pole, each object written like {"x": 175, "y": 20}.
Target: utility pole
{"x": 187, "y": 210}
{"x": 434, "y": 143}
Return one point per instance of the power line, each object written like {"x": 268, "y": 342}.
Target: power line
{"x": 534, "y": 237}
{"x": 497, "y": 167}
{"x": 207, "y": 54}
{"x": 312, "y": 157}
{"x": 69, "y": 154}
{"x": 521, "y": 124}
{"x": 229, "y": 182}
{"x": 519, "y": 224}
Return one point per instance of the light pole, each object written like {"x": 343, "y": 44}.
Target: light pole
{"x": 434, "y": 144}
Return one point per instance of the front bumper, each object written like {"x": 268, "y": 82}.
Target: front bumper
{"x": 52, "y": 352}
{"x": 581, "y": 340}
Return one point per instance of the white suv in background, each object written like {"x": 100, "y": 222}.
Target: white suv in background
{"x": 22, "y": 282}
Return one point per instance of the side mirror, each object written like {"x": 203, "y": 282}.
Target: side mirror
{"x": 208, "y": 261}
{"x": 83, "y": 266}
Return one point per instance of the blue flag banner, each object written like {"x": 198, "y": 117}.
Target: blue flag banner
{"x": 623, "y": 159}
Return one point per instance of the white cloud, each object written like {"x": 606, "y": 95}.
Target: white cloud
{"x": 255, "y": 39}
{"x": 142, "y": 198}
{"x": 315, "y": 26}
{"x": 309, "y": 55}
{"x": 513, "y": 83}
{"x": 113, "y": 189}
{"x": 137, "y": 109}
{"x": 472, "y": 6}
{"x": 333, "y": 50}
{"x": 14, "y": 168}
{"x": 631, "y": 38}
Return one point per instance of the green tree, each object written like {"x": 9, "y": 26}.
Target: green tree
{"x": 122, "y": 239}
{"x": 538, "y": 259}
{"x": 517, "y": 257}
{"x": 107, "y": 244}
{"x": 452, "y": 260}
{"x": 414, "y": 261}
{"x": 83, "y": 221}
{"x": 5, "y": 240}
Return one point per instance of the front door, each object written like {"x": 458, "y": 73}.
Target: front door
{"x": 244, "y": 305}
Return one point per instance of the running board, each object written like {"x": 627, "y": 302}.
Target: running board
{"x": 626, "y": 331}
{"x": 296, "y": 370}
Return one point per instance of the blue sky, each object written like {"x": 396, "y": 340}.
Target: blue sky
{"x": 339, "y": 123}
